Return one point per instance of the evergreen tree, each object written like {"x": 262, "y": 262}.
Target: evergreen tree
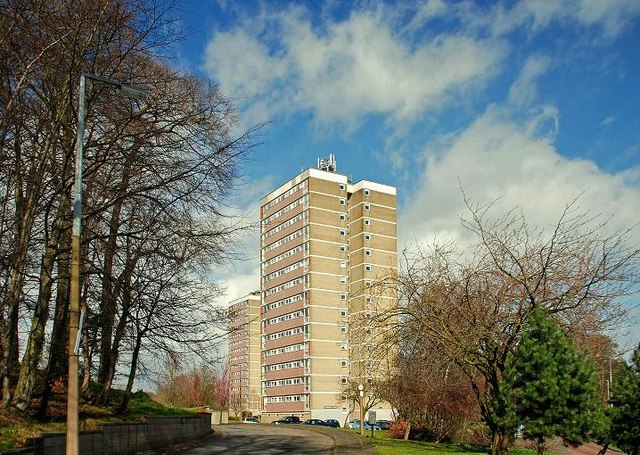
{"x": 550, "y": 384}
{"x": 625, "y": 413}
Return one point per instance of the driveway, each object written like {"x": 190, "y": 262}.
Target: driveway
{"x": 274, "y": 440}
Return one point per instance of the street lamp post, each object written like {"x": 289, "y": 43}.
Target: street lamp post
{"x": 72, "y": 442}
{"x": 361, "y": 394}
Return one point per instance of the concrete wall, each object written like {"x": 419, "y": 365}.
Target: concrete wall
{"x": 124, "y": 438}
{"x": 219, "y": 416}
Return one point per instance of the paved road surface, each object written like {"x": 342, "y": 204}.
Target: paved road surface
{"x": 274, "y": 440}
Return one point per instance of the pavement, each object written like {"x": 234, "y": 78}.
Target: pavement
{"x": 344, "y": 442}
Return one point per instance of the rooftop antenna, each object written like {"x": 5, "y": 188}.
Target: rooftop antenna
{"x": 327, "y": 164}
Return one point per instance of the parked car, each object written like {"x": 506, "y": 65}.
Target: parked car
{"x": 384, "y": 424}
{"x": 355, "y": 425}
{"x": 313, "y": 422}
{"x": 332, "y": 423}
{"x": 287, "y": 420}
{"x": 250, "y": 420}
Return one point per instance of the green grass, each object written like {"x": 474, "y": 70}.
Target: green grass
{"x": 388, "y": 446}
{"x": 15, "y": 428}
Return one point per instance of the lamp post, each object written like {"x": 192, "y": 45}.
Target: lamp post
{"x": 72, "y": 446}
{"x": 361, "y": 394}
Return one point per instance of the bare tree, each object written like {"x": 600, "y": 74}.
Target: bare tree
{"x": 155, "y": 184}
{"x": 472, "y": 304}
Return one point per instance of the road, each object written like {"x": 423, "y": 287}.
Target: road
{"x": 274, "y": 440}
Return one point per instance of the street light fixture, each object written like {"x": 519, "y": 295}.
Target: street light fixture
{"x": 73, "y": 441}
{"x": 361, "y": 394}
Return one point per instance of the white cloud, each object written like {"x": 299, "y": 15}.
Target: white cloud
{"x": 347, "y": 69}
{"x": 496, "y": 158}
{"x": 607, "y": 121}
{"x": 524, "y": 90}
{"x": 612, "y": 17}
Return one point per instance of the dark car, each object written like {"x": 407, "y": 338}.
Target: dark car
{"x": 332, "y": 423}
{"x": 287, "y": 420}
{"x": 384, "y": 424}
{"x": 313, "y": 422}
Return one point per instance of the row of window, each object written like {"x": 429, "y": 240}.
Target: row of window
{"x": 283, "y": 382}
{"x": 286, "y": 317}
{"x": 300, "y": 186}
{"x": 284, "y": 399}
{"x": 286, "y": 239}
{"x": 283, "y": 302}
{"x": 284, "y": 349}
{"x": 303, "y": 200}
{"x": 285, "y": 333}
{"x": 286, "y": 224}
{"x": 283, "y": 286}
{"x": 284, "y": 255}
{"x": 285, "y": 270}
{"x": 283, "y": 366}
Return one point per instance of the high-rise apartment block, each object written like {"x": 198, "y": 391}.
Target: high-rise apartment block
{"x": 244, "y": 354}
{"x": 324, "y": 241}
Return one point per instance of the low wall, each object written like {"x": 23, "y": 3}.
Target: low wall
{"x": 124, "y": 438}
{"x": 219, "y": 416}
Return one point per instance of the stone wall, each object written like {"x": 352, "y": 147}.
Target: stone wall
{"x": 124, "y": 438}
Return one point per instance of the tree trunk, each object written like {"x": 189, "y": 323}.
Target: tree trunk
{"x": 109, "y": 296}
{"x": 604, "y": 449}
{"x": 35, "y": 341}
{"x": 540, "y": 445}
{"x": 29, "y": 176}
{"x": 58, "y": 346}
{"x": 500, "y": 444}
{"x": 120, "y": 330}
{"x": 132, "y": 375}
{"x": 407, "y": 430}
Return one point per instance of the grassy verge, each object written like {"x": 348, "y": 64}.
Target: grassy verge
{"x": 388, "y": 446}
{"x": 15, "y": 428}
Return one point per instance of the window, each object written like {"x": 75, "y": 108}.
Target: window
{"x": 343, "y": 248}
{"x": 366, "y": 192}
{"x": 343, "y": 216}
{"x": 343, "y": 280}
{"x": 367, "y": 222}
{"x": 344, "y": 346}
{"x": 367, "y": 283}
{"x": 343, "y": 264}
{"x": 367, "y": 252}
{"x": 367, "y": 236}
{"x": 343, "y": 296}
{"x": 343, "y": 186}
{"x": 343, "y": 329}
{"x": 344, "y": 363}
{"x": 343, "y": 313}
{"x": 368, "y": 298}
{"x": 343, "y": 380}
{"x": 343, "y": 232}
{"x": 367, "y": 268}
{"x": 343, "y": 201}
{"x": 367, "y": 206}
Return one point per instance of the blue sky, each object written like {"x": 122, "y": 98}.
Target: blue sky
{"x": 534, "y": 102}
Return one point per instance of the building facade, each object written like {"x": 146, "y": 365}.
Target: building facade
{"x": 245, "y": 354}
{"x": 324, "y": 241}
